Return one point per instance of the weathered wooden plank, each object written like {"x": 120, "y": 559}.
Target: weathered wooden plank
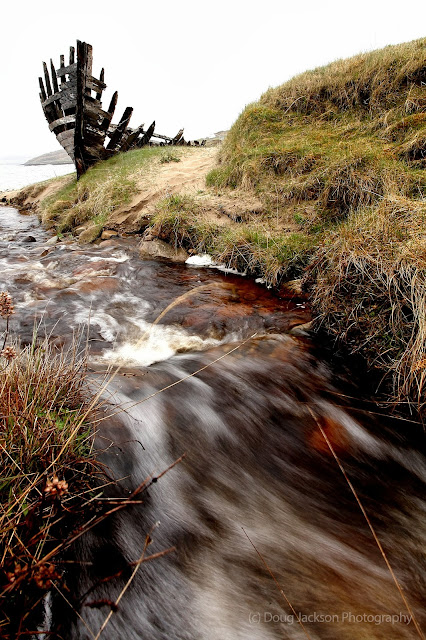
{"x": 97, "y": 153}
{"x": 95, "y": 85}
{"x": 69, "y": 86}
{"x": 47, "y": 80}
{"x": 69, "y": 95}
{"x": 147, "y": 135}
{"x": 42, "y": 90}
{"x": 95, "y": 131}
{"x": 101, "y": 83}
{"x": 54, "y": 78}
{"x": 62, "y": 71}
{"x": 131, "y": 137}
{"x": 72, "y": 53}
{"x": 159, "y": 135}
{"x": 64, "y": 136}
{"x": 79, "y": 147}
{"x": 68, "y": 145}
{"x": 88, "y": 67}
{"x": 52, "y": 110}
{"x": 61, "y": 121}
{"x": 113, "y": 103}
{"x": 93, "y": 141}
{"x": 121, "y": 128}
{"x": 106, "y": 122}
{"x": 96, "y": 111}
{"x": 69, "y": 106}
{"x": 52, "y": 98}
{"x": 89, "y": 62}
{"x": 177, "y": 137}
{"x": 68, "y": 99}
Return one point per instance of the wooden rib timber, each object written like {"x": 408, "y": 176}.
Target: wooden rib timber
{"x": 71, "y": 100}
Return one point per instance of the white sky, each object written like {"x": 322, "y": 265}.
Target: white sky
{"x": 184, "y": 63}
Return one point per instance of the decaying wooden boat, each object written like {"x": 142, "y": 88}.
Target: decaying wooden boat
{"x": 71, "y": 101}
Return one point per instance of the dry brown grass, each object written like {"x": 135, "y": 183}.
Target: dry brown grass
{"x": 48, "y": 472}
{"x": 345, "y": 146}
{"x": 368, "y": 287}
{"x": 369, "y": 81}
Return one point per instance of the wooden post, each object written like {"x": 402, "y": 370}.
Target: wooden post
{"x": 62, "y": 65}
{"x": 116, "y": 137}
{"x": 147, "y": 135}
{"x": 82, "y": 52}
{"x": 101, "y": 78}
{"x": 47, "y": 80}
{"x": 54, "y": 78}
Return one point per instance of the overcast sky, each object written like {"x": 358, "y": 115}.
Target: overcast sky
{"x": 184, "y": 63}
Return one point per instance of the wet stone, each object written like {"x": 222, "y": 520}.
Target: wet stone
{"x": 107, "y": 234}
{"x": 160, "y": 249}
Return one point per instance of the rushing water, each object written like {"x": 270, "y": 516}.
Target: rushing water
{"x": 257, "y": 468}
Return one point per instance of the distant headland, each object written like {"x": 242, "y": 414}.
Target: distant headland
{"x": 54, "y": 157}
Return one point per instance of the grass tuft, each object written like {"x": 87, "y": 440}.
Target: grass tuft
{"x": 48, "y": 472}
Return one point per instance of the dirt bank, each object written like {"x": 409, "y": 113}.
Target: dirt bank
{"x": 180, "y": 172}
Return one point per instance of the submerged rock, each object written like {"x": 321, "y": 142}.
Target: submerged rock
{"x": 160, "y": 249}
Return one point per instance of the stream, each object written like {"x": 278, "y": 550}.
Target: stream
{"x": 259, "y": 492}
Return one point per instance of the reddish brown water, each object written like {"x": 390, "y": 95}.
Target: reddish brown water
{"x": 256, "y": 461}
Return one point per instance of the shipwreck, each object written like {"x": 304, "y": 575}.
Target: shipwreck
{"x": 71, "y": 98}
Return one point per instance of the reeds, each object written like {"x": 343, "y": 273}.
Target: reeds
{"x": 48, "y": 475}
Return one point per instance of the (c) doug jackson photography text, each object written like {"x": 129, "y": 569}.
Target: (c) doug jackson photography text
{"x": 348, "y": 617}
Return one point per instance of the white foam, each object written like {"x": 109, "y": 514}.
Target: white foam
{"x": 205, "y": 260}
{"x": 157, "y": 343}
{"x": 200, "y": 260}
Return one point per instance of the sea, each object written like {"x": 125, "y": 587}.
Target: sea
{"x": 16, "y": 176}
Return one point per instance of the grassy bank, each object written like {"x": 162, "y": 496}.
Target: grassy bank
{"x": 63, "y": 204}
{"x": 99, "y": 192}
{"x": 337, "y": 156}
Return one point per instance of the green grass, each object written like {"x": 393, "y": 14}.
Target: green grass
{"x": 252, "y": 250}
{"x": 339, "y": 153}
{"x": 105, "y": 187}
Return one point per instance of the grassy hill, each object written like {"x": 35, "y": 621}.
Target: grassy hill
{"x": 338, "y": 157}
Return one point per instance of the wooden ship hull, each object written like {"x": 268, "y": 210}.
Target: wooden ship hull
{"x": 71, "y": 101}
